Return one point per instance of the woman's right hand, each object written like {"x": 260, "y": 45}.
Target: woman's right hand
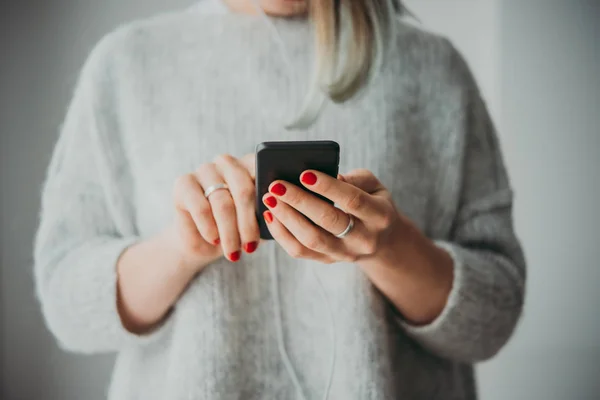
{"x": 153, "y": 273}
{"x": 222, "y": 224}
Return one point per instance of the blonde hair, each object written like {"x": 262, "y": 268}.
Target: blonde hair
{"x": 352, "y": 37}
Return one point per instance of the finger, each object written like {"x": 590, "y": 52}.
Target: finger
{"x": 194, "y": 211}
{"x": 351, "y": 199}
{"x": 223, "y": 210}
{"x": 322, "y": 213}
{"x": 364, "y": 180}
{"x": 289, "y": 243}
{"x": 249, "y": 162}
{"x": 241, "y": 186}
{"x": 309, "y": 235}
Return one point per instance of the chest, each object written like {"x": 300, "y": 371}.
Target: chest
{"x": 189, "y": 118}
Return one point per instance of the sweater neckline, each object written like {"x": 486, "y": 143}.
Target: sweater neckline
{"x": 211, "y": 6}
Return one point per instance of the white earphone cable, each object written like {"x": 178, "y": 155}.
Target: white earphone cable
{"x": 279, "y": 323}
{"x": 273, "y": 259}
{"x": 332, "y": 332}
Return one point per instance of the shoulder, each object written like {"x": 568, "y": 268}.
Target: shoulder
{"x": 144, "y": 42}
{"x": 431, "y": 58}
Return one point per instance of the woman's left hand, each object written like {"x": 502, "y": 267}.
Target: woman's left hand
{"x": 407, "y": 267}
{"x": 378, "y": 225}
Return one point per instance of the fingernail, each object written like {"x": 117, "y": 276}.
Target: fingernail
{"x": 271, "y": 201}
{"x": 250, "y": 247}
{"x": 268, "y": 216}
{"x": 235, "y": 256}
{"x": 278, "y": 189}
{"x": 217, "y": 242}
{"x": 309, "y": 178}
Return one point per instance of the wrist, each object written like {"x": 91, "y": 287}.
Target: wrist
{"x": 179, "y": 262}
{"x": 414, "y": 274}
{"x": 400, "y": 251}
{"x": 184, "y": 260}
{"x": 432, "y": 269}
{"x": 152, "y": 274}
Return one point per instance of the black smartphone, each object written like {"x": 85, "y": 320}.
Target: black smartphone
{"x": 286, "y": 161}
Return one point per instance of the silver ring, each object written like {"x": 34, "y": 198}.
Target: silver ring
{"x": 210, "y": 190}
{"x": 348, "y": 228}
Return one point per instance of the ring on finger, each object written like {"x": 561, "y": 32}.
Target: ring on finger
{"x": 211, "y": 189}
{"x": 348, "y": 229}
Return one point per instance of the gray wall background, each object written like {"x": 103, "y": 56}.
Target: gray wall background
{"x": 547, "y": 103}
{"x": 550, "y": 127}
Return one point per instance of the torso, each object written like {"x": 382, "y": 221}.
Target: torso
{"x": 223, "y": 88}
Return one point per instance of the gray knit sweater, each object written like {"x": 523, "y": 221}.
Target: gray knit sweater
{"x": 157, "y": 98}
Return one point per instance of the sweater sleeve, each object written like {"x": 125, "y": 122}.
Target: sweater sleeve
{"x": 84, "y": 223}
{"x": 486, "y": 299}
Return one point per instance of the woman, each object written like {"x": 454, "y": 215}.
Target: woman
{"x": 143, "y": 251}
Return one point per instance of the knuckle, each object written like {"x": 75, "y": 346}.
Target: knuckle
{"x": 224, "y": 206}
{"x": 180, "y": 187}
{"x": 330, "y": 218}
{"x": 356, "y": 202}
{"x": 369, "y": 247}
{"x": 203, "y": 211}
{"x": 296, "y": 251}
{"x": 313, "y": 242}
{"x": 364, "y": 172}
{"x": 224, "y": 159}
{"x": 182, "y": 182}
{"x": 203, "y": 168}
{"x": 246, "y": 193}
{"x": 386, "y": 220}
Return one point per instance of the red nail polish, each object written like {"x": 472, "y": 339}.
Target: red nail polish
{"x": 235, "y": 256}
{"x": 250, "y": 247}
{"x": 309, "y": 178}
{"x": 271, "y": 201}
{"x": 268, "y": 216}
{"x": 278, "y": 189}
{"x": 217, "y": 242}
